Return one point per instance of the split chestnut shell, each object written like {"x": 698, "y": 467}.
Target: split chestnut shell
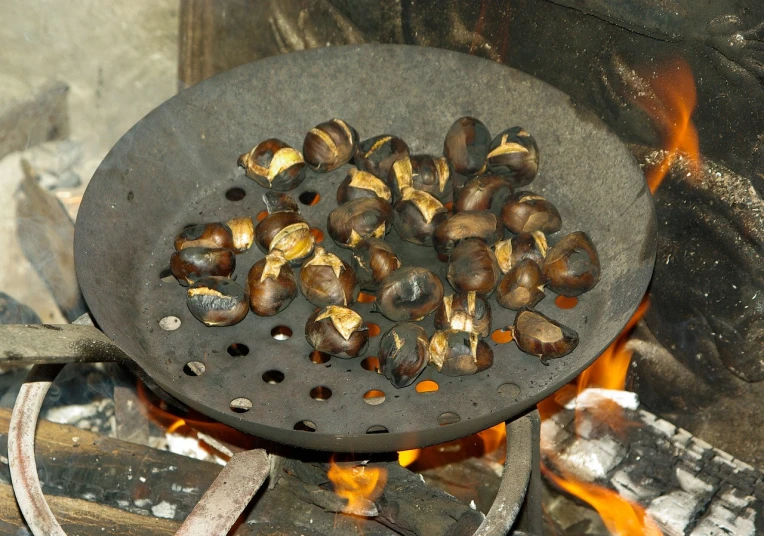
{"x": 464, "y": 311}
{"x": 525, "y": 212}
{"x": 458, "y": 353}
{"x": 359, "y": 219}
{"x": 274, "y": 164}
{"x": 486, "y": 192}
{"x": 409, "y": 294}
{"x": 205, "y": 235}
{"x": 337, "y": 331}
{"x": 271, "y": 285}
{"x": 466, "y": 145}
{"x": 423, "y": 172}
{"x": 473, "y": 267}
{"x": 242, "y": 232}
{"x": 515, "y": 155}
{"x": 325, "y": 279}
{"x": 463, "y": 225}
{"x": 416, "y": 216}
{"x": 541, "y": 336}
{"x": 329, "y": 145}
{"x": 521, "y": 246}
{"x": 285, "y": 231}
{"x": 403, "y": 353}
{"x": 572, "y": 265}
{"x": 217, "y": 301}
{"x": 522, "y": 286}
{"x": 378, "y": 154}
{"x": 362, "y": 184}
{"x": 373, "y": 260}
{"x": 191, "y": 264}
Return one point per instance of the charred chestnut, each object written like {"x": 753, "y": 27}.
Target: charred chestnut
{"x": 191, "y": 264}
{"x": 458, "y": 353}
{"x": 473, "y": 267}
{"x": 483, "y": 225}
{"x": 423, "y": 172}
{"x": 337, "y": 331}
{"x": 523, "y": 286}
{"x": 464, "y": 311}
{"x": 205, "y": 235}
{"x": 521, "y": 246}
{"x": 487, "y": 192}
{"x": 325, "y": 279}
{"x": 403, "y": 353}
{"x": 373, "y": 260}
{"x": 217, "y": 301}
{"x": 417, "y": 214}
{"x": 409, "y": 294}
{"x": 271, "y": 285}
{"x": 243, "y": 233}
{"x": 541, "y": 336}
{"x": 359, "y": 219}
{"x": 466, "y": 145}
{"x": 362, "y": 184}
{"x": 329, "y": 145}
{"x": 525, "y": 212}
{"x": 514, "y": 154}
{"x": 274, "y": 164}
{"x": 572, "y": 265}
{"x": 378, "y": 154}
{"x": 284, "y": 229}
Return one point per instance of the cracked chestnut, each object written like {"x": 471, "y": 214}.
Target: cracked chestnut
{"x": 359, "y": 219}
{"x": 373, "y": 260}
{"x": 403, "y": 353}
{"x": 466, "y": 145}
{"x": 515, "y": 155}
{"x": 205, "y": 235}
{"x": 522, "y": 286}
{"x": 423, "y": 172}
{"x": 329, "y": 145}
{"x": 362, "y": 184}
{"x": 217, "y": 301}
{"x": 416, "y": 216}
{"x": 473, "y": 267}
{"x": 337, "y": 331}
{"x": 572, "y": 265}
{"x": 191, "y": 264}
{"x": 486, "y": 192}
{"x": 325, "y": 279}
{"x": 539, "y": 335}
{"x": 464, "y": 311}
{"x": 243, "y": 233}
{"x": 409, "y": 294}
{"x": 525, "y": 212}
{"x": 458, "y": 353}
{"x": 521, "y": 246}
{"x": 271, "y": 285}
{"x": 284, "y": 229}
{"x": 463, "y": 225}
{"x": 378, "y": 154}
{"x": 274, "y": 164}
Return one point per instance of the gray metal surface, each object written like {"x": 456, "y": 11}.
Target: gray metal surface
{"x": 174, "y": 167}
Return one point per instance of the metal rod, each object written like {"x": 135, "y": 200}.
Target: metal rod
{"x": 36, "y": 344}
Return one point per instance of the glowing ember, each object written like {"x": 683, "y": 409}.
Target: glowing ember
{"x": 493, "y": 439}
{"x": 407, "y": 457}
{"x": 358, "y": 485}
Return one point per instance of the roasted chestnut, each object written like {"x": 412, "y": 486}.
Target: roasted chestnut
{"x": 464, "y": 311}
{"x": 325, "y": 279}
{"x": 271, "y": 285}
{"x": 514, "y": 154}
{"x": 243, "y": 233}
{"x": 217, "y": 301}
{"x": 403, "y": 353}
{"x": 191, "y": 264}
{"x": 541, "y": 336}
{"x": 409, "y": 293}
{"x": 329, "y": 145}
{"x": 486, "y": 192}
{"x": 378, "y": 154}
{"x": 525, "y": 212}
{"x": 483, "y": 225}
{"x": 523, "y": 286}
{"x": 423, "y": 172}
{"x": 572, "y": 265}
{"x": 473, "y": 266}
{"x": 362, "y": 184}
{"x": 274, "y": 164}
{"x": 521, "y": 246}
{"x": 466, "y": 145}
{"x": 373, "y": 260}
{"x": 284, "y": 229}
{"x": 205, "y": 235}
{"x": 458, "y": 353}
{"x": 337, "y": 331}
{"x": 417, "y": 214}
{"x": 359, "y": 219}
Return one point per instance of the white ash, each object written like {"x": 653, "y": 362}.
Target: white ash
{"x": 164, "y": 510}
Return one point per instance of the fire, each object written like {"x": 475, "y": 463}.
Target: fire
{"x": 494, "y": 439}
{"x": 670, "y": 106}
{"x": 358, "y": 484}
{"x": 407, "y": 457}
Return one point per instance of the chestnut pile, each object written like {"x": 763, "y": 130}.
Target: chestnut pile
{"x": 478, "y": 178}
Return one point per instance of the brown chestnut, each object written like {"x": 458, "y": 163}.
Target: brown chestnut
{"x": 378, "y": 154}
{"x": 243, "y": 233}
{"x": 276, "y": 202}
{"x": 462, "y": 225}
{"x": 284, "y": 229}
{"x": 541, "y": 336}
{"x": 205, "y": 235}
{"x": 329, "y": 145}
{"x": 523, "y": 286}
{"x": 274, "y": 164}
{"x": 473, "y": 266}
{"x": 572, "y": 265}
{"x": 271, "y": 285}
{"x": 423, "y": 172}
{"x": 191, "y": 264}
{"x": 359, "y": 219}
{"x": 515, "y": 155}
{"x": 417, "y": 214}
{"x": 525, "y": 212}
{"x": 521, "y": 246}
{"x": 409, "y": 293}
{"x": 458, "y": 353}
{"x": 373, "y": 260}
{"x": 404, "y": 353}
{"x": 217, "y": 301}
{"x": 466, "y": 145}
{"x": 362, "y": 184}
{"x": 325, "y": 279}
{"x": 464, "y": 311}
{"x": 486, "y": 192}
{"x": 337, "y": 331}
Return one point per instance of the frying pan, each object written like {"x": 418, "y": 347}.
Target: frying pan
{"x": 178, "y": 166}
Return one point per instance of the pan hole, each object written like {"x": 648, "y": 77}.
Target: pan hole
{"x": 194, "y": 368}
{"x": 235, "y": 194}
{"x": 166, "y": 275}
{"x": 320, "y": 393}
{"x": 261, "y": 215}
{"x": 566, "y": 302}
{"x": 305, "y": 426}
{"x": 318, "y": 235}
{"x": 281, "y": 333}
{"x": 238, "y": 349}
{"x": 273, "y": 377}
{"x": 442, "y": 257}
{"x": 169, "y": 323}
{"x": 319, "y": 358}
{"x": 309, "y": 198}
{"x": 377, "y": 429}
{"x": 371, "y": 363}
{"x": 366, "y": 298}
{"x": 510, "y": 390}
{"x": 374, "y": 329}
{"x": 240, "y": 405}
{"x": 427, "y": 386}
{"x": 374, "y": 397}
{"x": 502, "y": 336}
{"x": 447, "y": 418}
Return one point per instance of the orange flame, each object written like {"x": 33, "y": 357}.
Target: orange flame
{"x": 494, "y": 439}
{"x": 670, "y": 107}
{"x": 407, "y": 457}
{"x": 358, "y": 484}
